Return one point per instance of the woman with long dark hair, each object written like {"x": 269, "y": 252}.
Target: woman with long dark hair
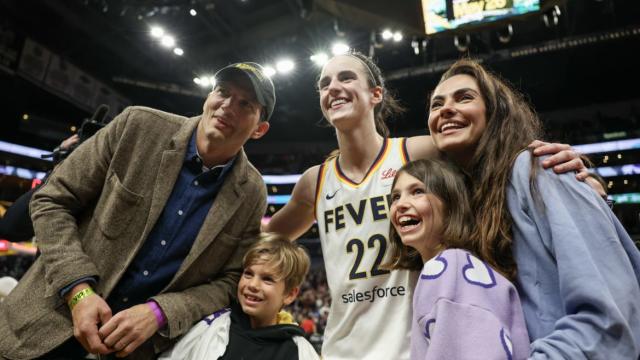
{"x": 576, "y": 268}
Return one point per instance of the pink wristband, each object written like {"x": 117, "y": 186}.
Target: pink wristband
{"x": 157, "y": 311}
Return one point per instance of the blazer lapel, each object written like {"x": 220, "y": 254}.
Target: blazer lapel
{"x": 170, "y": 165}
{"x": 224, "y": 207}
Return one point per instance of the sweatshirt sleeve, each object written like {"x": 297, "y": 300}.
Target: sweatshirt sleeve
{"x": 577, "y": 267}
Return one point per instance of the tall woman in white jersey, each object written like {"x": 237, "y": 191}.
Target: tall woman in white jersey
{"x": 370, "y": 311}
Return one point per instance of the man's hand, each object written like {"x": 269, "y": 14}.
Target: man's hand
{"x": 87, "y": 314}
{"x": 564, "y": 158}
{"x": 128, "y": 329}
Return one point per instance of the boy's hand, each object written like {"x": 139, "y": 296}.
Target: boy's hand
{"x": 563, "y": 159}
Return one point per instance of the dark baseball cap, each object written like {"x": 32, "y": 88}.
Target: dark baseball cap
{"x": 262, "y": 84}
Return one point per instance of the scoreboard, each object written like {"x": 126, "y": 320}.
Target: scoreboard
{"x": 444, "y": 15}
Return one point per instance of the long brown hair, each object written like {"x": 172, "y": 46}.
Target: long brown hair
{"x": 445, "y": 181}
{"x": 511, "y": 125}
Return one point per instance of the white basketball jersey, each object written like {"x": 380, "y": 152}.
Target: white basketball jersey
{"x": 370, "y": 315}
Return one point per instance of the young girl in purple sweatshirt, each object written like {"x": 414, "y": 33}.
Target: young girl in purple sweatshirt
{"x": 462, "y": 308}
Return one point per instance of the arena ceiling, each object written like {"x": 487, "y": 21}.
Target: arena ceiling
{"x": 589, "y": 57}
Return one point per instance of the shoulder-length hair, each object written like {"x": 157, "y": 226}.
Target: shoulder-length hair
{"x": 445, "y": 181}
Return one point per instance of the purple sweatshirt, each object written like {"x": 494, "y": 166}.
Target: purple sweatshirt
{"x": 462, "y": 309}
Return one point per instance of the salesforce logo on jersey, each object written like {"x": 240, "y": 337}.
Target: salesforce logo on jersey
{"x": 373, "y": 294}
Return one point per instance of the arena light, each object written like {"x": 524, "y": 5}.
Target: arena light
{"x": 397, "y": 36}
{"x": 339, "y": 48}
{"x": 269, "y": 70}
{"x": 205, "y": 81}
{"x": 285, "y": 66}
{"x": 178, "y": 51}
{"x": 462, "y": 42}
{"x": 168, "y": 41}
{"x": 505, "y": 34}
{"x": 320, "y": 58}
{"x": 193, "y": 12}
{"x": 415, "y": 45}
{"x": 157, "y": 32}
{"x": 551, "y": 17}
{"x": 24, "y": 150}
{"x": 387, "y": 34}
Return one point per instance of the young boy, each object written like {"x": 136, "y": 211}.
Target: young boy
{"x": 255, "y": 327}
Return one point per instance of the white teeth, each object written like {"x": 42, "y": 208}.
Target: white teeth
{"x": 408, "y": 221}
{"x": 338, "y": 102}
{"x": 450, "y": 125}
{"x": 252, "y": 298}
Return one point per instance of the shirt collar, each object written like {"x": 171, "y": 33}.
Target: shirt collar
{"x": 194, "y": 162}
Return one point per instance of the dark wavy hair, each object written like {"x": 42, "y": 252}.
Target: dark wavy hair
{"x": 511, "y": 126}
{"x": 447, "y": 182}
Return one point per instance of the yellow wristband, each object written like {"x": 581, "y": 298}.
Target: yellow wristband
{"x": 79, "y": 296}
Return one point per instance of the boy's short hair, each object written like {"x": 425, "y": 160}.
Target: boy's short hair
{"x": 289, "y": 260}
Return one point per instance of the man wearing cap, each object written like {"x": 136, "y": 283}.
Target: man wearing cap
{"x": 143, "y": 228}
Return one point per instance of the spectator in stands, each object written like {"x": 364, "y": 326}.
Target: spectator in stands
{"x": 308, "y": 325}
{"x": 255, "y": 327}
{"x": 142, "y": 229}
{"x": 577, "y": 269}
{"x": 16, "y": 223}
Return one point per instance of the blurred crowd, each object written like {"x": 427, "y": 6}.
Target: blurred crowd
{"x": 311, "y": 308}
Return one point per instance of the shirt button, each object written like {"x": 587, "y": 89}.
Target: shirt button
{"x": 145, "y": 273}
{"x": 163, "y": 243}
{"x": 125, "y": 299}
{"x": 196, "y": 183}
{"x": 180, "y": 212}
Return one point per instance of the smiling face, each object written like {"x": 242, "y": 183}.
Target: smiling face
{"x": 231, "y": 114}
{"x": 262, "y": 294}
{"x": 345, "y": 92}
{"x": 416, "y": 215}
{"x": 457, "y": 117}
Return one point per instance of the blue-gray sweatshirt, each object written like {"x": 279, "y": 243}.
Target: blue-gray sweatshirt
{"x": 578, "y": 269}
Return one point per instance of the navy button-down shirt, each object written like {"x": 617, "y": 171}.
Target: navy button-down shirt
{"x": 174, "y": 233}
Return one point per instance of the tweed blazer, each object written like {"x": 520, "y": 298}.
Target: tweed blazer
{"x": 95, "y": 212}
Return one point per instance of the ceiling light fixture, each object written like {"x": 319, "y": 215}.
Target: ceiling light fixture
{"x": 168, "y": 41}
{"x": 285, "y": 66}
{"x": 339, "y": 48}
{"x": 157, "y": 32}
{"x": 269, "y": 70}
{"x": 320, "y": 58}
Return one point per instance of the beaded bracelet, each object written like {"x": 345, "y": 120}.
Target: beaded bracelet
{"x": 79, "y": 296}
